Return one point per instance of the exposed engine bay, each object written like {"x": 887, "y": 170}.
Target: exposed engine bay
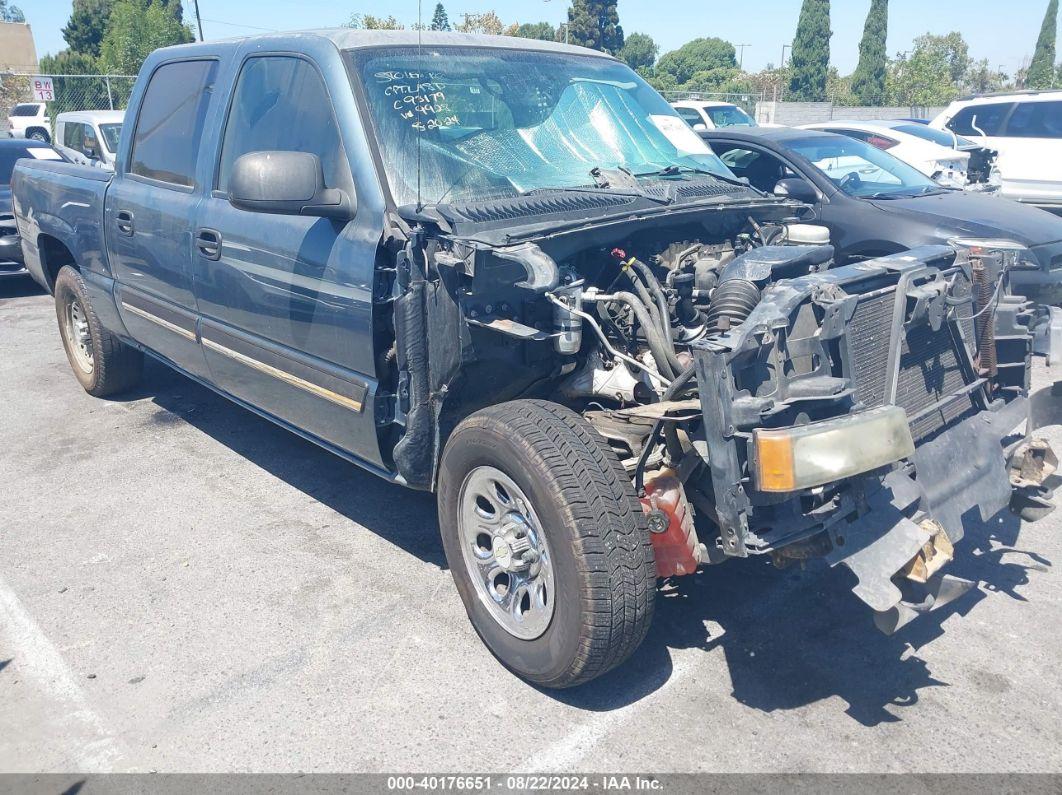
{"x": 762, "y": 400}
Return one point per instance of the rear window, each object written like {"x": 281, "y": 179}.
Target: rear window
{"x": 9, "y": 155}
{"x": 1035, "y": 120}
{"x": 980, "y": 120}
{"x": 25, "y": 110}
{"x": 929, "y": 134}
{"x": 170, "y": 124}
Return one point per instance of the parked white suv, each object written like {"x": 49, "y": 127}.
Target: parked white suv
{"x": 93, "y": 133}
{"x": 30, "y": 120}
{"x": 704, "y": 115}
{"x": 1026, "y": 129}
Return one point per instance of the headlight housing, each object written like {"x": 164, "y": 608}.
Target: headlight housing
{"x": 1014, "y": 255}
{"x": 805, "y": 456}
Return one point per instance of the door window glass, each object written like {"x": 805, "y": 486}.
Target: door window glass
{"x": 986, "y": 118}
{"x": 690, "y": 116}
{"x": 170, "y": 125}
{"x": 72, "y": 135}
{"x": 762, "y": 170}
{"x": 281, "y": 105}
{"x": 1035, "y": 120}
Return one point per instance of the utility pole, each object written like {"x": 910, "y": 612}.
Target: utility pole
{"x": 566, "y": 23}
{"x": 784, "y": 48}
{"x": 198, "y": 21}
{"x": 741, "y": 56}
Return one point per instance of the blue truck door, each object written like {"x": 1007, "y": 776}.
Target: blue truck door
{"x": 286, "y": 301}
{"x": 148, "y": 207}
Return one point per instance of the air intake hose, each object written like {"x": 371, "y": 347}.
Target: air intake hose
{"x": 732, "y": 302}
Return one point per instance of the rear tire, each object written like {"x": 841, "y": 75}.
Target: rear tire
{"x": 540, "y": 468}
{"x": 102, "y": 363}
{"x": 39, "y": 135}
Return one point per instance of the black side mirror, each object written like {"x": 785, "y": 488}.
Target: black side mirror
{"x": 797, "y": 188}
{"x": 286, "y": 183}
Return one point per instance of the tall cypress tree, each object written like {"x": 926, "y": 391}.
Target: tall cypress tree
{"x": 868, "y": 82}
{"x": 439, "y": 20}
{"x": 1042, "y": 69}
{"x": 810, "y": 62}
{"x": 595, "y": 24}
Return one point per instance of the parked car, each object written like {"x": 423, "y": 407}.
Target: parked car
{"x": 1026, "y": 129}
{"x": 704, "y": 115}
{"x": 94, "y": 133}
{"x": 506, "y": 271}
{"x": 875, "y": 204}
{"x": 942, "y": 156}
{"x": 30, "y": 120}
{"x": 12, "y": 150}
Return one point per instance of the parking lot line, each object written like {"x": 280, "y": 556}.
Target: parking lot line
{"x": 36, "y": 659}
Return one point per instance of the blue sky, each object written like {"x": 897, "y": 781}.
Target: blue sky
{"x": 1005, "y": 33}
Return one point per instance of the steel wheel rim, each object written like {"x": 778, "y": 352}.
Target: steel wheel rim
{"x": 505, "y": 553}
{"x": 79, "y": 335}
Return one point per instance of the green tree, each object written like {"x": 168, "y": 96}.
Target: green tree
{"x": 1042, "y": 69}
{"x": 89, "y": 93}
{"x": 639, "y": 51}
{"x": 699, "y": 55}
{"x": 542, "y": 31}
{"x": 439, "y": 20}
{"x": 983, "y": 79}
{"x": 136, "y": 29}
{"x": 934, "y": 73}
{"x": 810, "y": 61}
{"x": 595, "y": 24}
{"x": 87, "y": 24}
{"x": 369, "y": 22}
{"x": 488, "y": 22}
{"x": 10, "y": 13}
{"x": 868, "y": 81}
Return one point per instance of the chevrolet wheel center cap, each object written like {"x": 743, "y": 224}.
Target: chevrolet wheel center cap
{"x": 503, "y": 553}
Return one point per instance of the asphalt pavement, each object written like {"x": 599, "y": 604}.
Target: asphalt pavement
{"x": 186, "y": 587}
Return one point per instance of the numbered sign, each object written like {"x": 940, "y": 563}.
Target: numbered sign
{"x": 43, "y": 90}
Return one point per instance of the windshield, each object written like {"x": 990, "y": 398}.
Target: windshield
{"x": 936, "y": 136}
{"x": 486, "y": 123}
{"x": 111, "y": 133}
{"x": 730, "y": 116}
{"x": 9, "y": 155}
{"x": 860, "y": 169}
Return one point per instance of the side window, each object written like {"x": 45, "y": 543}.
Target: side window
{"x": 280, "y": 104}
{"x": 762, "y": 170}
{"x": 72, "y": 135}
{"x": 1035, "y": 120}
{"x": 988, "y": 118}
{"x": 690, "y": 116}
{"x": 170, "y": 124}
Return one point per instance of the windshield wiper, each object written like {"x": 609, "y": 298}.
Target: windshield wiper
{"x": 674, "y": 170}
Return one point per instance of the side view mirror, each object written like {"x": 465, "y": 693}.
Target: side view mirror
{"x": 796, "y": 188}
{"x": 286, "y": 183}
{"x": 700, "y": 127}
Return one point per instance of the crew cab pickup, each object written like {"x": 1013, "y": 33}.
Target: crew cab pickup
{"x": 508, "y": 272}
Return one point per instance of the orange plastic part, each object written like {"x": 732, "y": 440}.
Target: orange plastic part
{"x": 675, "y": 548}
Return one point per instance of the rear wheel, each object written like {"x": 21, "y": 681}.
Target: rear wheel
{"x": 101, "y": 362}
{"x": 39, "y": 135}
{"x": 546, "y": 542}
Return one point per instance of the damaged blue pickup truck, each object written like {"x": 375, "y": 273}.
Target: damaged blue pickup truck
{"x": 507, "y": 272}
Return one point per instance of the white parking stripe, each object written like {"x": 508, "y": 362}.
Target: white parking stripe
{"x": 36, "y": 659}
{"x": 567, "y": 753}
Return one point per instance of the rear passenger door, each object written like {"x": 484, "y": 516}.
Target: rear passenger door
{"x": 286, "y": 301}
{"x": 150, "y": 207}
{"x": 1033, "y": 154}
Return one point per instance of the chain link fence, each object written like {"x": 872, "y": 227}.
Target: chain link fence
{"x": 745, "y": 101}
{"x": 71, "y": 92}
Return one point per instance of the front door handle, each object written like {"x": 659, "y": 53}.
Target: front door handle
{"x": 208, "y": 241}
{"x": 124, "y": 222}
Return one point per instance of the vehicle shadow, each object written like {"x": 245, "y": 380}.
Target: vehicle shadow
{"x": 792, "y": 638}
{"x": 19, "y": 287}
{"x": 401, "y": 516}
{"x": 789, "y": 638}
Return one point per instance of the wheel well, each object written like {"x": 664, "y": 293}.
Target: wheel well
{"x": 38, "y": 128}
{"x": 54, "y": 255}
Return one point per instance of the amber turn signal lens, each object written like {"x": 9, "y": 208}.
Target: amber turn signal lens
{"x": 774, "y": 454}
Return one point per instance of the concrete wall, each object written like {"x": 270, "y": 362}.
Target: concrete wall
{"x": 17, "y": 52}
{"x": 793, "y": 114}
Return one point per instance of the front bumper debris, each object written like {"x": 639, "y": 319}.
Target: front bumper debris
{"x": 899, "y": 545}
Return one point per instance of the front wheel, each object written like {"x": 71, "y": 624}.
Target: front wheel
{"x": 546, "y": 542}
